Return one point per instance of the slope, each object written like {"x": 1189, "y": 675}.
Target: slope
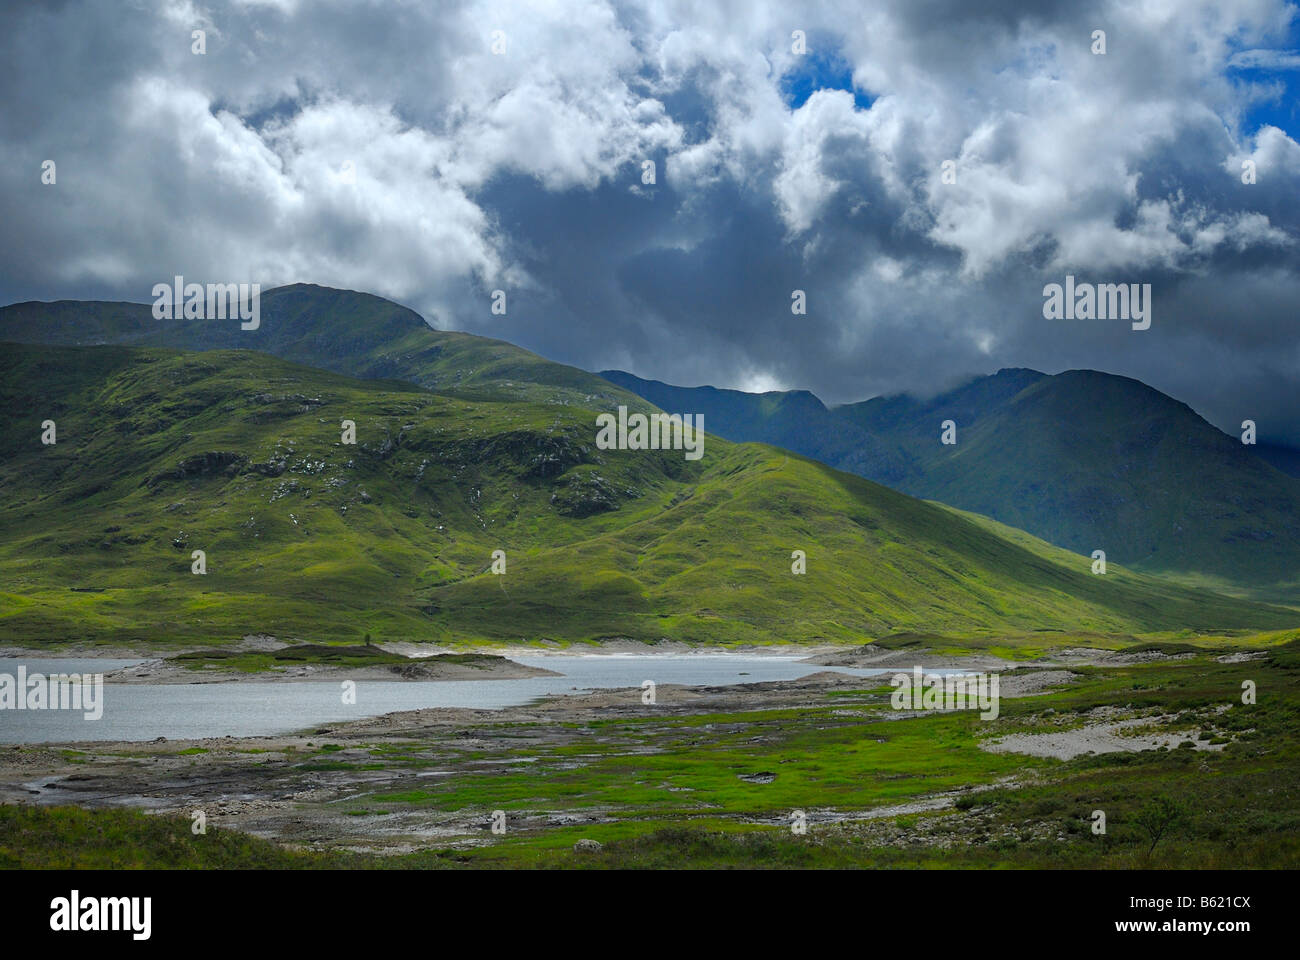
{"x": 348, "y": 332}
{"x": 1083, "y": 459}
{"x": 795, "y": 420}
{"x": 1088, "y": 460}
{"x": 239, "y": 454}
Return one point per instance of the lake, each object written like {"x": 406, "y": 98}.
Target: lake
{"x": 191, "y": 711}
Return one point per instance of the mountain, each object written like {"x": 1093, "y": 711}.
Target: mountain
{"x": 239, "y": 454}
{"x": 348, "y": 332}
{"x": 795, "y": 420}
{"x": 1085, "y": 460}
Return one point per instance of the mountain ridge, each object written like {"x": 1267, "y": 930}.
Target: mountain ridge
{"x": 345, "y": 331}
{"x": 239, "y": 454}
{"x": 1084, "y": 459}
{"x": 1071, "y": 457}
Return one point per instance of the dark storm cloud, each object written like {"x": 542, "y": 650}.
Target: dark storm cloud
{"x": 385, "y": 147}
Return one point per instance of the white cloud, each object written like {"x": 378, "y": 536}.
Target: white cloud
{"x": 1265, "y": 60}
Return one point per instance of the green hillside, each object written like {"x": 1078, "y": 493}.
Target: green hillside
{"x": 1082, "y": 459}
{"x": 238, "y": 454}
{"x": 1091, "y": 461}
{"x": 348, "y": 332}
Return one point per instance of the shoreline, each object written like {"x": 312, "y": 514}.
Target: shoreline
{"x": 163, "y": 673}
{"x": 305, "y": 786}
{"x": 500, "y": 663}
{"x": 261, "y": 643}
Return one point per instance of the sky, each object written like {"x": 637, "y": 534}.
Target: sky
{"x": 434, "y": 153}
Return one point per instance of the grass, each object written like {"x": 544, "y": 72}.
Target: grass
{"x": 238, "y": 454}
{"x": 1239, "y": 806}
{"x": 666, "y": 791}
{"x": 62, "y": 838}
{"x": 343, "y": 655}
{"x": 471, "y": 446}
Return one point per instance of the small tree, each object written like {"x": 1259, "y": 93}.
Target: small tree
{"x": 367, "y": 639}
{"x": 1158, "y": 816}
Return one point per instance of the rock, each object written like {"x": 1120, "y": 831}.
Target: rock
{"x": 588, "y": 846}
{"x": 216, "y": 461}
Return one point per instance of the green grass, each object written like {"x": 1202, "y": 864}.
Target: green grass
{"x": 62, "y": 838}
{"x": 1083, "y": 459}
{"x": 341, "y": 655}
{"x": 239, "y": 454}
{"x": 1239, "y": 806}
{"x": 666, "y": 790}
{"x": 344, "y": 331}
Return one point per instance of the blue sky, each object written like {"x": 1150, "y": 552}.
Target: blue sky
{"x": 1281, "y": 108}
{"x": 820, "y": 70}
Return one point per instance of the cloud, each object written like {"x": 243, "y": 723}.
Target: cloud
{"x": 389, "y": 147}
{"x": 1265, "y": 60}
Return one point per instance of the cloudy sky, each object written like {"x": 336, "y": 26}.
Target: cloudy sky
{"x": 388, "y": 147}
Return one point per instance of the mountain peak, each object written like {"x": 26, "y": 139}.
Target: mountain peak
{"x": 1084, "y": 459}
{"x": 344, "y": 331}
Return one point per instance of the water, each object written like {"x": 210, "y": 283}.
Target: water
{"x": 141, "y": 711}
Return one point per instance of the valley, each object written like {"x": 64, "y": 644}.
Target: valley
{"x": 433, "y": 518}
{"x": 239, "y": 455}
{"x": 714, "y": 777}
